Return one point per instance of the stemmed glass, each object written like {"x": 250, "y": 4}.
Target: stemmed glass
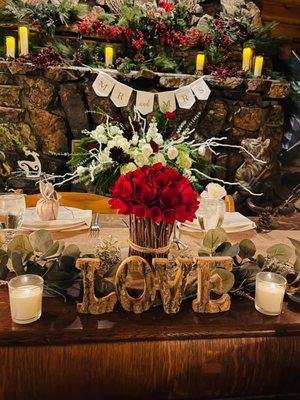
{"x": 12, "y": 211}
{"x": 211, "y": 213}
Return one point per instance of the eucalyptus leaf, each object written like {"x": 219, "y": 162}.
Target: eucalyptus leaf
{"x": 58, "y": 276}
{"x": 247, "y": 249}
{"x": 281, "y": 252}
{"x": 296, "y": 244}
{"x": 41, "y": 240}
{"x": 203, "y": 253}
{"x": 34, "y": 268}
{"x": 260, "y": 259}
{"x": 227, "y": 278}
{"x": 19, "y": 244}
{"x": 230, "y": 251}
{"x": 213, "y": 238}
{"x": 297, "y": 264}
{"x": 3, "y": 264}
{"x": 69, "y": 257}
{"x": 248, "y": 270}
{"x": 17, "y": 263}
{"x": 54, "y": 251}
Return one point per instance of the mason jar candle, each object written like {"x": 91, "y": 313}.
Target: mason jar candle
{"x": 269, "y": 293}
{"x": 25, "y": 298}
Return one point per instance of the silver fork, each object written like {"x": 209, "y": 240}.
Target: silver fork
{"x": 95, "y": 225}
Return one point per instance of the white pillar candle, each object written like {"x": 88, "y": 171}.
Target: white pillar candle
{"x": 25, "y": 296}
{"x": 269, "y": 296}
{"x": 23, "y": 40}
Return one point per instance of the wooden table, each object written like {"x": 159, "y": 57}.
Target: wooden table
{"x": 151, "y": 356}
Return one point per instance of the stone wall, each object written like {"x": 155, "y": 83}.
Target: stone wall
{"x": 45, "y": 110}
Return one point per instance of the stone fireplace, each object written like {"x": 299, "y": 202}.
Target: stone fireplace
{"x": 45, "y": 110}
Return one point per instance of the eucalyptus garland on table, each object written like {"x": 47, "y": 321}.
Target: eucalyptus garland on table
{"x": 38, "y": 254}
{"x": 247, "y": 263}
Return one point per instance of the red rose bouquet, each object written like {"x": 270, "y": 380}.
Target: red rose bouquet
{"x": 154, "y": 197}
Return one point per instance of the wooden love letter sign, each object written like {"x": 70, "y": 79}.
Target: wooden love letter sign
{"x": 171, "y": 292}
{"x": 203, "y": 303}
{"x": 135, "y": 264}
{"x": 90, "y": 303}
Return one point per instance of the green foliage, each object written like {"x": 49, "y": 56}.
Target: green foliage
{"x": 48, "y": 15}
{"x": 164, "y": 63}
{"x": 247, "y": 264}
{"x": 39, "y": 254}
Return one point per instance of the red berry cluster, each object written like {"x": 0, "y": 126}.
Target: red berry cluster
{"x": 45, "y": 58}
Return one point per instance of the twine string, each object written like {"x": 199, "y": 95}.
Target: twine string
{"x": 147, "y": 250}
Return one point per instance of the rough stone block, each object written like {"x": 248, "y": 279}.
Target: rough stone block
{"x": 226, "y": 83}
{"x": 50, "y": 130}
{"x": 3, "y": 66}
{"x": 10, "y": 96}
{"x": 258, "y": 85}
{"x": 276, "y": 116}
{"x": 6, "y": 79}
{"x": 248, "y": 118}
{"x": 16, "y": 136}
{"x": 99, "y": 106}
{"x": 74, "y": 108}
{"x": 38, "y": 93}
{"x": 214, "y": 118}
{"x": 279, "y": 90}
{"x": 17, "y": 68}
{"x": 59, "y": 74}
{"x": 9, "y": 114}
{"x": 174, "y": 82}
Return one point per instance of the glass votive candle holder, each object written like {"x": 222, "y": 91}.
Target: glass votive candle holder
{"x": 269, "y": 292}
{"x": 211, "y": 213}
{"x": 25, "y": 297}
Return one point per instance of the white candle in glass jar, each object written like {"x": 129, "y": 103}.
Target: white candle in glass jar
{"x": 25, "y": 297}
{"x": 269, "y": 293}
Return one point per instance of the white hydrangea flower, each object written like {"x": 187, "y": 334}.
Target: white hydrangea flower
{"x": 202, "y": 150}
{"x": 135, "y": 139}
{"x": 152, "y": 131}
{"x": 147, "y": 150}
{"x": 128, "y": 168}
{"x": 115, "y": 130}
{"x": 80, "y": 170}
{"x": 119, "y": 141}
{"x": 183, "y": 160}
{"x": 214, "y": 191}
{"x": 159, "y": 158}
{"x": 140, "y": 160}
{"x": 172, "y": 153}
{"x": 99, "y": 134}
{"x": 104, "y": 158}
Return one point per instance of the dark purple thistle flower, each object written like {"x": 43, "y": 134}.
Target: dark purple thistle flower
{"x": 117, "y": 154}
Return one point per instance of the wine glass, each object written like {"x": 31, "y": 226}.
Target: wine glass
{"x": 211, "y": 213}
{"x": 12, "y": 211}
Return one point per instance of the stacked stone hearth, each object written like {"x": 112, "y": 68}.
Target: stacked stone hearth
{"x": 45, "y": 110}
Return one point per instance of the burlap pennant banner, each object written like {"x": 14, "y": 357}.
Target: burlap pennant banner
{"x": 120, "y": 94}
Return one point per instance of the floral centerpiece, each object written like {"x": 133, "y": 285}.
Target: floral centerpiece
{"x": 154, "y": 197}
{"x": 115, "y": 148}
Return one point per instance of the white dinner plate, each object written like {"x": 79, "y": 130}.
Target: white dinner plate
{"x": 68, "y": 218}
{"x": 233, "y": 222}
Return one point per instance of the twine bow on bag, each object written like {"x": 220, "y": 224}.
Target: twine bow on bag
{"x": 47, "y": 207}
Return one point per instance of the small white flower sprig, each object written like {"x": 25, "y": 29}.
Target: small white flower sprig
{"x": 113, "y": 148}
